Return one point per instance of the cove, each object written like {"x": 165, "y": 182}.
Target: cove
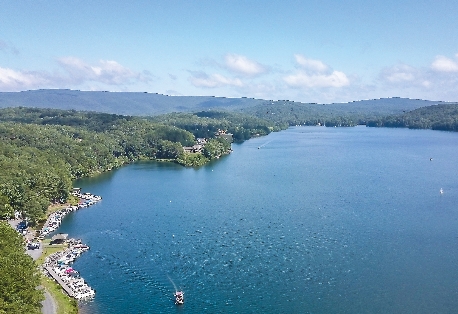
{"x": 307, "y": 220}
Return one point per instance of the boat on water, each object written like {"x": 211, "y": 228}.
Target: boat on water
{"x": 179, "y": 297}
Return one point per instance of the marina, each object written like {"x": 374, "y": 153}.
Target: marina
{"x": 55, "y": 219}
{"x": 58, "y": 265}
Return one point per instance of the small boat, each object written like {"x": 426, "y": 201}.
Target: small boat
{"x": 179, "y": 297}
{"x": 441, "y": 191}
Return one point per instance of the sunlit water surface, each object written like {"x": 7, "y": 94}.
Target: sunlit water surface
{"x": 308, "y": 220}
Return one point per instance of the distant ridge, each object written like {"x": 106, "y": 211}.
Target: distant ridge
{"x": 147, "y": 104}
{"x": 124, "y": 103}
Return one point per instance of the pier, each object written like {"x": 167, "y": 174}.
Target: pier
{"x": 57, "y": 278}
{"x": 58, "y": 267}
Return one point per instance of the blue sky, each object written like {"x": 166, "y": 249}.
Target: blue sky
{"x": 310, "y": 51}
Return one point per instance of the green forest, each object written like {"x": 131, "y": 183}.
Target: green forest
{"x": 292, "y": 113}
{"x": 442, "y": 117}
{"x": 19, "y": 276}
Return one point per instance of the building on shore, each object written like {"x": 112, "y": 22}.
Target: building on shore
{"x": 223, "y": 134}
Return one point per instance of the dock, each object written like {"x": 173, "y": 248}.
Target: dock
{"x": 57, "y": 278}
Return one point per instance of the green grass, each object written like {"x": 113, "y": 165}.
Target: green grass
{"x": 49, "y": 249}
{"x": 64, "y": 303}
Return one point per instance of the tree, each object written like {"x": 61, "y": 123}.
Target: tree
{"x": 6, "y": 211}
{"x": 19, "y": 276}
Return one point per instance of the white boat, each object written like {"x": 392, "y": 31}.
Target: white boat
{"x": 179, "y": 297}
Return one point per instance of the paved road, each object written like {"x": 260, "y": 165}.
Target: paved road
{"x": 49, "y": 305}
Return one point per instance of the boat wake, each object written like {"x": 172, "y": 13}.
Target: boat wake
{"x": 174, "y": 286}
{"x": 179, "y": 295}
{"x": 264, "y": 144}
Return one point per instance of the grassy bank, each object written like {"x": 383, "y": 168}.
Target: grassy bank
{"x": 64, "y": 304}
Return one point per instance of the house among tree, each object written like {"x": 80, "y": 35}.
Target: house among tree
{"x": 223, "y": 134}
{"x": 59, "y": 238}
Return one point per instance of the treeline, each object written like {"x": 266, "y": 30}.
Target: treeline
{"x": 291, "y": 113}
{"x": 19, "y": 276}
{"x": 204, "y": 124}
{"x": 39, "y": 162}
{"x": 438, "y": 117}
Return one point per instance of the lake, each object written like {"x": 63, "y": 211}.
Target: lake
{"x": 307, "y": 220}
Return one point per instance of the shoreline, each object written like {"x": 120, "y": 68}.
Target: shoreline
{"x": 56, "y": 266}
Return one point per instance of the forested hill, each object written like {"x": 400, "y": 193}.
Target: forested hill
{"x": 147, "y": 104}
{"x": 336, "y": 114}
{"x": 437, "y": 117}
{"x": 122, "y": 103}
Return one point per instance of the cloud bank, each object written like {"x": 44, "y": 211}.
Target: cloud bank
{"x": 105, "y": 71}
{"x": 307, "y": 79}
{"x": 72, "y": 72}
{"x": 12, "y": 80}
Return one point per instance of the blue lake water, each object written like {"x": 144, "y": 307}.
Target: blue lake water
{"x": 307, "y": 220}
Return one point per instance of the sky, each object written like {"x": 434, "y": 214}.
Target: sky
{"x": 309, "y": 51}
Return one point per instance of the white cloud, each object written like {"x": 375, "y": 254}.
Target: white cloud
{"x": 311, "y": 64}
{"x": 438, "y": 81}
{"x": 201, "y": 79}
{"x": 400, "y": 73}
{"x": 12, "y": 80}
{"x": 315, "y": 74}
{"x": 305, "y": 80}
{"x": 76, "y": 73}
{"x": 444, "y": 64}
{"x": 106, "y": 71}
{"x": 243, "y": 65}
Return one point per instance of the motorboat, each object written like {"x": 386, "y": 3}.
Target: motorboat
{"x": 179, "y": 297}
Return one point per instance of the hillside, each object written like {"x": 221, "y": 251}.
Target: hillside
{"x": 336, "y": 114}
{"x": 122, "y": 103}
{"x": 437, "y": 117}
{"x": 147, "y": 104}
